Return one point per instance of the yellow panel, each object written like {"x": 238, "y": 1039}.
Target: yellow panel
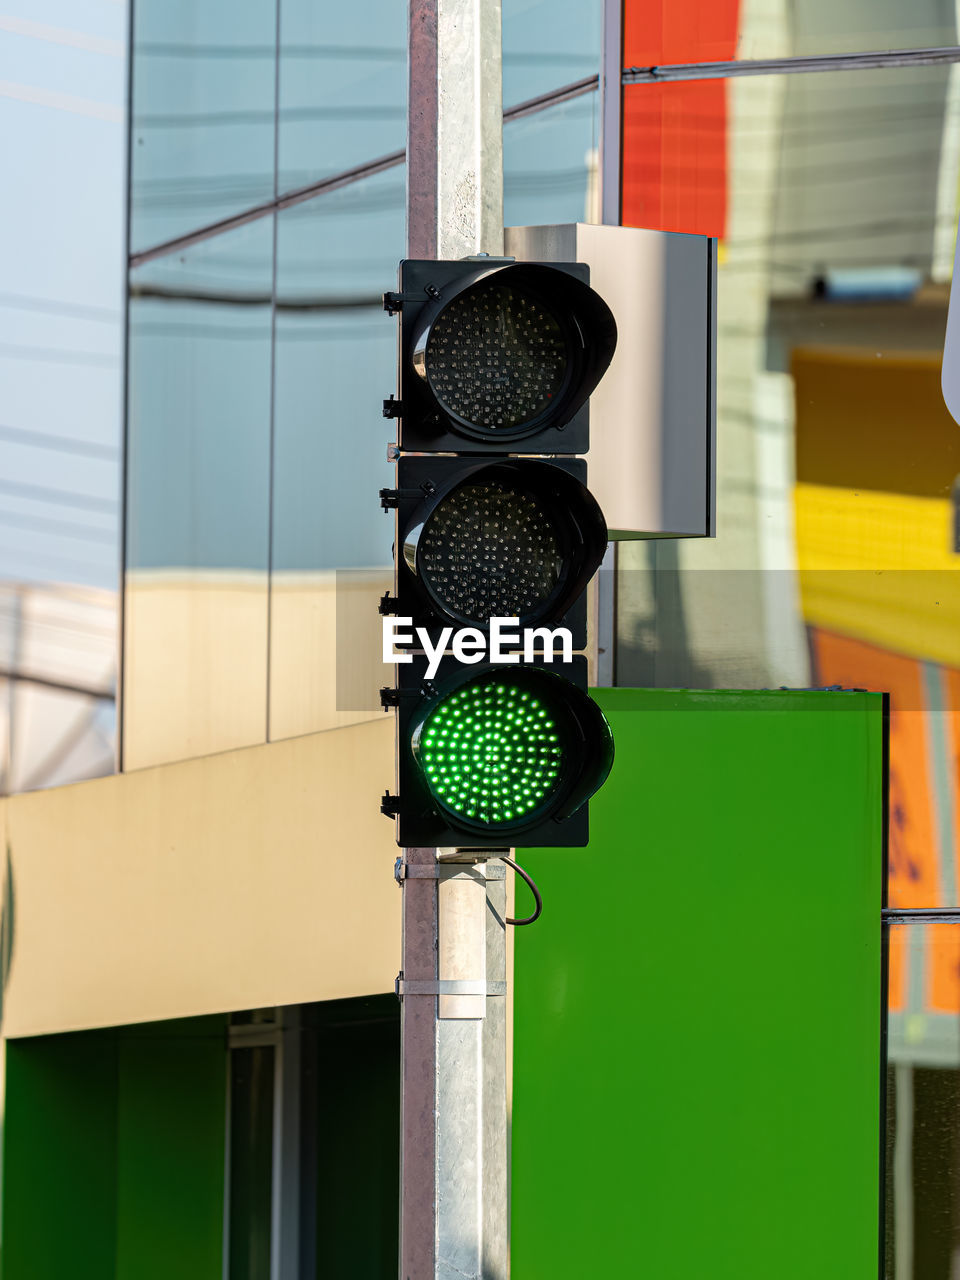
{"x": 254, "y": 877}
{"x": 195, "y": 664}
{"x": 879, "y": 566}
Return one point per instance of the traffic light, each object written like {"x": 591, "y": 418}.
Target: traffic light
{"x": 496, "y": 361}
{"x": 498, "y": 357}
{"x": 496, "y": 755}
{"x": 496, "y": 538}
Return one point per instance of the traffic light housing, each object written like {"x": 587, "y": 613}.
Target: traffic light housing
{"x": 497, "y": 361}
{"x": 498, "y": 357}
{"x": 496, "y": 537}
{"x": 498, "y": 754}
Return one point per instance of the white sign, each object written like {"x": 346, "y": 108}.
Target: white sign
{"x": 950, "y": 372}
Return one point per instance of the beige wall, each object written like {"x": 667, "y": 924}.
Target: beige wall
{"x": 219, "y": 660}
{"x": 255, "y": 877}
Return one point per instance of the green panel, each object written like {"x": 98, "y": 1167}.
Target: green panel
{"x": 113, "y": 1154}
{"x": 697, "y": 1016}
{"x": 171, "y": 1120}
{"x": 59, "y": 1152}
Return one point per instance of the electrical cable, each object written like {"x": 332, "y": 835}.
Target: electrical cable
{"x": 525, "y": 876}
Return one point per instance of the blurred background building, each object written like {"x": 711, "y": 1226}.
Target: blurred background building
{"x": 177, "y": 527}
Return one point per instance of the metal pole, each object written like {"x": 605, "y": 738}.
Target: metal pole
{"x": 453, "y": 1212}
{"x": 455, "y": 129}
{"x": 611, "y": 98}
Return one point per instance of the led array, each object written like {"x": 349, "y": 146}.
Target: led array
{"x": 490, "y": 551}
{"x": 496, "y": 357}
{"x": 491, "y": 752}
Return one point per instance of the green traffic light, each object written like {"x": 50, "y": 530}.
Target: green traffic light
{"x": 491, "y": 752}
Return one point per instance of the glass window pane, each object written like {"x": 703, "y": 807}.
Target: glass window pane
{"x": 658, "y": 32}
{"x": 204, "y": 87}
{"x": 198, "y": 499}
{"x": 922, "y": 1207}
{"x": 549, "y": 43}
{"x": 61, "y": 369}
{"x": 343, "y": 87}
{"x": 835, "y": 199}
{"x": 550, "y": 166}
{"x": 350, "y": 1122}
{"x": 335, "y": 363}
{"x": 251, "y": 1162}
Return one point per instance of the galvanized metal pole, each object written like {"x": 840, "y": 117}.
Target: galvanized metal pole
{"x": 455, "y": 129}
{"x": 453, "y": 1218}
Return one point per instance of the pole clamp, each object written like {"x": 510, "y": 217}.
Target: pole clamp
{"x": 445, "y": 870}
{"x": 448, "y": 987}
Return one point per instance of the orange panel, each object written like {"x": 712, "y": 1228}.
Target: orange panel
{"x": 896, "y": 973}
{"x": 943, "y": 955}
{"x": 913, "y": 870}
{"x": 951, "y": 687}
{"x": 943, "y": 968}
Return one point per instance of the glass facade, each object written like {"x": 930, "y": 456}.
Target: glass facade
{"x": 547, "y": 43}
{"x": 550, "y": 165}
{"x": 61, "y": 366}
{"x": 661, "y": 32}
{"x": 254, "y": 535}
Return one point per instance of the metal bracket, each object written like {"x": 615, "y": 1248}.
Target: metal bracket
{"x": 390, "y": 805}
{"x": 448, "y": 987}
{"x": 393, "y": 302}
{"x": 391, "y": 497}
{"x": 392, "y": 408}
{"x": 446, "y": 870}
{"x": 388, "y": 604}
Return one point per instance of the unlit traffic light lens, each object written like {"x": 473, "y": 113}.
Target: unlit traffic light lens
{"x": 496, "y": 357}
{"x": 491, "y": 551}
{"x": 491, "y": 752}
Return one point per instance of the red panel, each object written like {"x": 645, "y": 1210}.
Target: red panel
{"x": 675, "y": 157}
{"x": 675, "y": 135}
{"x": 679, "y": 31}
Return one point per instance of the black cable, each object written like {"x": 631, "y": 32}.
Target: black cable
{"x": 533, "y": 889}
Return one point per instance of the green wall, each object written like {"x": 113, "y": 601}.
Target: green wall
{"x": 697, "y": 1015}
{"x": 113, "y": 1154}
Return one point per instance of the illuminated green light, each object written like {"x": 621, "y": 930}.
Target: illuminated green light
{"x": 493, "y": 752}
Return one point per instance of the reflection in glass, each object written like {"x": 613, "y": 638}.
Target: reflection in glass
{"x": 665, "y": 31}
{"x": 835, "y": 200}
{"x": 922, "y": 1203}
{"x": 204, "y": 86}
{"x": 343, "y": 87}
{"x": 198, "y": 499}
{"x": 335, "y": 363}
{"x": 550, "y": 165}
{"x": 57, "y": 682}
{"x": 61, "y": 369}
{"x": 548, "y": 43}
